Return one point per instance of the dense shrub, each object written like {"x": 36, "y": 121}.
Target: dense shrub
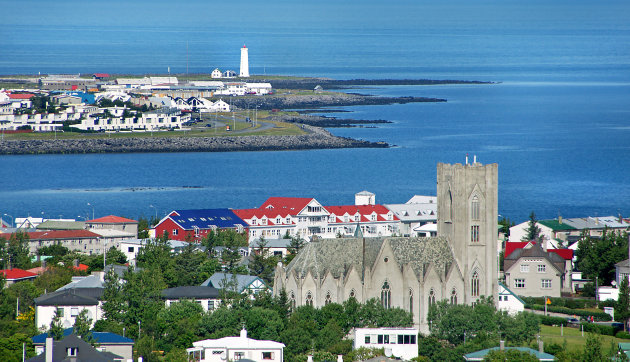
{"x": 599, "y": 329}
{"x": 598, "y": 316}
{"x": 553, "y": 321}
{"x": 622, "y": 335}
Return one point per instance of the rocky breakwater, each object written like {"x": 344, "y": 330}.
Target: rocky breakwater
{"x": 297, "y": 101}
{"x": 317, "y": 138}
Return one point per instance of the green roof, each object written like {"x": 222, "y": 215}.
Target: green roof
{"x": 555, "y": 225}
{"x": 512, "y": 293}
{"x": 61, "y": 225}
{"x": 624, "y": 346}
{"x": 479, "y": 355}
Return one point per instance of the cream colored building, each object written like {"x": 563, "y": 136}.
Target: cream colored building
{"x": 459, "y": 265}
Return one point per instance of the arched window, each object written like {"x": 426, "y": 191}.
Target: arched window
{"x": 292, "y": 301}
{"x": 454, "y": 296}
{"x": 474, "y": 208}
{"x": 474, "y": 284}
{"x": 411, "y": 302}
{"x": 431, "y": 297}
{"x": 309, "y": 299}
{"x": 386, "y": 296}
{"x": 450, "y": 206}
{"x": 328, "y": 299}
{"x": 353, "y": 294}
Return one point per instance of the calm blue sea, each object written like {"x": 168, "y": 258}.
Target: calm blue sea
{"x": 558, "y": 123}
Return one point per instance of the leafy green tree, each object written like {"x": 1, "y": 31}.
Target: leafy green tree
{"x": 622, "y": 308}
{"x": 593, "y": 349}
{"x": 82, "y": 327}
{"x": 113, "y": 298}
{"x": 11, "y": 347}
{"x": 53, "y": 278}
{"x": 26, "y": 291}
{"x": 56, "y": 329}
{"x": 263, "y": 265}
{"x": 328, "y": 336}
{"x": 15, "y": 251}
{"x": 177, "y": 325}
{"x": 115, "y": 256}
{"x": 505, "y": 225}
{"x": 596, "y": 257}
{"x": 533, "y": 231}
{"x": 296, "y": 244}
{"x": 56, "y": 250}
{"x": 156, "y": 254}
{"x": 145, "y": 348}
{"x": 143, "y": 301}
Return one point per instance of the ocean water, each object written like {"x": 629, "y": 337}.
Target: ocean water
{"x": 557, "y": 121}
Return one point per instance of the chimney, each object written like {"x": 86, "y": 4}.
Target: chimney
{"x": 474, "y": 159}
{"x": 502, "y": 345}
{"x": 309, "y": 358}
{"x": 466, "y": 158}
{"x": 49, "y": 349}
{"x": 339, "y": 358}
{"x": 541, "y": 346}
{"x": 243, "y": 333}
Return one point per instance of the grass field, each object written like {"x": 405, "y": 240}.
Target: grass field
{"x": 573, "y": 336}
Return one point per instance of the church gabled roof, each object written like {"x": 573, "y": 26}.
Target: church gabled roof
{"x": 338, "y": 256}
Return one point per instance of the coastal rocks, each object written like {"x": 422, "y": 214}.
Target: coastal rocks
{"x": 316, "y": 139}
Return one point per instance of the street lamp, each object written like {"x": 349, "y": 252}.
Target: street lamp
{"x": 92, "y": 210}
{"x": 12, "y": 219}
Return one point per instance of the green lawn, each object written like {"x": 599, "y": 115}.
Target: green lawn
{"x": 573, "y": 337}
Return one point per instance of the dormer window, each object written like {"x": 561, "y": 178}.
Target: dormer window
{"x": 72, "y": 351}
{"x": 288, "y": 220}
{"x": 254, "y": 221}
{"x": 373, "y": 217}
{"x": 278, "y": 220}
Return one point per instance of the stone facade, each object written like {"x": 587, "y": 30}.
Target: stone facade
{"x": 459, "y": 265}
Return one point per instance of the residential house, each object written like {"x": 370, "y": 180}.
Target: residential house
{"x": 243, "y": 284}
{"x": 398, "y": 342}
{"x": 309, "y": 216}
{"x": 415, "y": 214}
{"x": 268, "y": 223}
{"x": 550, "y": 230}
{"x": 236, "y": 348}
{"x": 373, "y": 220}
{"x": 14, "y": 275}
{"x": 193, "y": 225}
{"x": 508, "y": 301}
{"x": 566, "y": 230}
{"x": 70, "y": 302}
{"x": 273, "y": 247}
{"x": 83, "y": 241}
{"x": 72, "y": 348}
{"x": 216, "y": 73}
{"x": 534, "y": 272}
{"x": 258, "y": 88}
{"x": 106, "y": 341}
{"x": 206, "y": 296}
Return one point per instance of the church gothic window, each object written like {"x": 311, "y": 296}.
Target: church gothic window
{"x": 386, "y": 296}
{"x": 309, "y": 299}
{"x": 352, "y": 294}
{"x": 328, "y": 299}
{"x": 474, "y": 234}
{"x": 454, "y": 296}
{"x": 449, "y": 208}
{"x": 431, "y": 297}
{"x": 474, "y": 284}
{"x": 411, "y": 302}
{"x": 292, "y": 301}
{"x": 474, "y": 208}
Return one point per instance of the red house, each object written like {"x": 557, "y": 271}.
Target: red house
{"x": 193, "y": 225}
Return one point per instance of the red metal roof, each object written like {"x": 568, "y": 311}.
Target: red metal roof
{"x": 21, "y": 96}
{"x": 260, "y": 213}
{"x": 291, "y": 204}
{"x": 510, "y": 247}
{"x": 16, "y": 274}
{"x": 112, "y": 219}
{"x": 363, "y": 210}
{"x": 566, "y": 254}
{"x": 101, "y": 75}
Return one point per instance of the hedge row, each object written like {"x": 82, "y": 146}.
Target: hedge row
{"x": 598, "y": 316}
{"x": 622, "y": 335}
{"x": 563, "y": 302}
{"x": 599, "y": 329}
{"x": 552, "y": 321}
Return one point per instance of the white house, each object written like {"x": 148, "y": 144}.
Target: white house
{"x": 207, "y": 297}
{"x": 69, "y": 302}
{"x": 243, "y": 284}
{"x": 258, "y": 88}
{"x": 415, "y": 213}
{"x": 508, "y": 301}
{"x": 237, "y": 348}
{"x": 397, "y": 342}
{"x": 216, "y": 73}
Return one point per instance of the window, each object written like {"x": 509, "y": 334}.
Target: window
{"x": 328, "y": 299}
{"x": 474, "y": 233}
{"x": 60, "y": 312}
{"x": 292, "y": 301}
{"x": 74, "y": 312}
{"x": 309, "y": 299}
{"x": 238, "y": 355}
{"x": 352, "y": 293}
{"x": 545, "y": 283}
{"x": 474, "y": 208}
{"x": 524, "y": 268}
{"x": 519, "y": 283}
{"x": 367, "y": 339}
{"x": 278, "y": 220}
{"x": 254, "y": 221}
{"x": 277, "y": 253}
{"x": 411, "y": 302}
{"x": 386, "y": 296}
{"x": 474, "y": 284}
{"x": 453, "y": 296}
{"x": 542, "y": 268}
{"x": 431, "y": 297}
{"x": 130, "y": 249}
{"x": 288, "y": 220}
{"x": 267, "y": 355}
{"x": 72, "y": 351}
{"x": 373, "y": 217}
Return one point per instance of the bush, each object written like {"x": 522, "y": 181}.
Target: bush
{"x": 622, "y": 335}
{"x": 599, "y": 316}
{"x": 553, "y": 321}
{"x": 599, "y": 329}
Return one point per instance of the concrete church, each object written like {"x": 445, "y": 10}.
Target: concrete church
{"x": 459, "y": 265}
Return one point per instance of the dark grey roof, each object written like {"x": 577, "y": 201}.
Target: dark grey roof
{"x": 194, "y": 291}
{"x": 338, "y": 256}
{"x": 85, "y": 352}
{"x": 76, "y": 296}
{"x": 536, "y": 251}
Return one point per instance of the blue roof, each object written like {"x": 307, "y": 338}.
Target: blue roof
{"x": 479, "y": 355}
{"x": 100, "y": 337}
{"x": 207, "y": 218}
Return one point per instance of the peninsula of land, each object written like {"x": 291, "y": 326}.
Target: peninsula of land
{"x": 276, "y": 119}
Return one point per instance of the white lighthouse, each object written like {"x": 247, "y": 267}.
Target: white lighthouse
{"x": 244, "y": 63}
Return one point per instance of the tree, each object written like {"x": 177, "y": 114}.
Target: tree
{"x": 295, "y": 245}
{"x": 593, "y": 349}
{"x": 56, "y": 329}
{"x": 533, "y": 231}
{"x": 115, "y": 256}
{"x": 53, "y": 278}
{"x": 15, "y": 251}
{"x": 263, "y": 265}
{"x": 622, "y": 308}
{"x": 596, "y": 257}
{"x": 82, "y": 326}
